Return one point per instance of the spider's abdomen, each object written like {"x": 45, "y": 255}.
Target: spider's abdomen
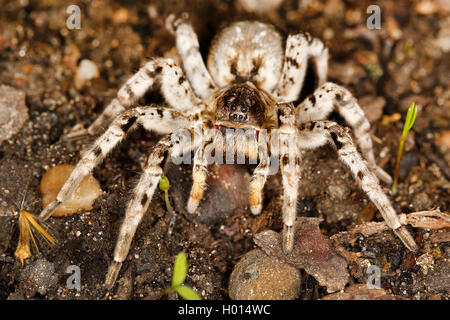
{"x": 247, "y": 51}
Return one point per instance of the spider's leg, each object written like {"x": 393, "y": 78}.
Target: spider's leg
{"x": 174, "y": 87}
{"x": 199, "y": 174}
{"x": 316, "y": 133}
{"x": 189, "y": 51}
{"x": 138, "y": 205}
{"x": 154, "y": 118}
{"x": 291, "y": 174}
{"x": 299, "y": 49}
{"x": 259, "y": 176}
{"x": 331, "y": 96}
{"x": 290, "y": 160}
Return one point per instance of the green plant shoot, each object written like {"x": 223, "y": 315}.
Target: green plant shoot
{"x": 179, "y": 269}
{"x": 164, "y": 185}
{"x": 409, "y": 122}
{"x": 179, "y": 275}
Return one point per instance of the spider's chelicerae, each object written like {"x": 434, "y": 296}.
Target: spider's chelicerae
{"x": 250, "y": 82}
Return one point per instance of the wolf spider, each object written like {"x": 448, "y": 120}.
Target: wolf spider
{"x": 250, "y": 82}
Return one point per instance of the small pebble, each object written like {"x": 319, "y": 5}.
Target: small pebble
{"x": 82, "y": 198}
{"x": 259, "y": 6}
{"x": 87, "y": 70}
{"x": 258, "y": 276}
{"x": 13, "y": 111}
{"x": 42, "y": 274}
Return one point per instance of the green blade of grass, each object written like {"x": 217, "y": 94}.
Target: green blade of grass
{"x": 410, "y": 118}
{"x": 409, "y": 122}
{"x": 187, "y": 293}
{"x": 179, "y": 270}
{"x": 164, "y": 184}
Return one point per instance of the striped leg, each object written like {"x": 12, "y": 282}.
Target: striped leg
{"x": 316, "y": 133}
{"x": 331, "y": 96}
{"x": 290, "y": 160}
{"x": 189, "y": 51}
{"x": 199, "y": 175}
{"x": 299, "y": 49}
{"x": 291, "y": 174}
{"x": 174, "y": 87}
{"x": 138, "y": 205}
{"x": 152, "y": 118}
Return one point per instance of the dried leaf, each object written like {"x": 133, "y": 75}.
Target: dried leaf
{"x": 312, "y": 252}
{"x": 362, "y": 292}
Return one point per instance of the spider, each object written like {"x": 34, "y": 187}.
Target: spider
{"x": 250, "y": 82}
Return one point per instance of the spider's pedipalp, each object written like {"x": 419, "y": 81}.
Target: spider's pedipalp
{"x": 199, "y": 175}
{"x": 259, "y": 176}
{"x": 174, "y": 87}
{"x": 340, "y": 138}
{"x": 299, "y": 49}
{"x": 189, "y": 50}
{"x": 331, "y": 96}
{"x": 152, "y": 118}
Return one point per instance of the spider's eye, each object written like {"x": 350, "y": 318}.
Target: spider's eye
{"x": 244, "y": 109}
{"x": 233, "y": 108}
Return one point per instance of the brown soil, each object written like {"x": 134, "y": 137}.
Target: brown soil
{"x": 403, "y": 61}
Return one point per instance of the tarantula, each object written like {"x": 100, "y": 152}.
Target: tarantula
{"x": 250, "y": 82}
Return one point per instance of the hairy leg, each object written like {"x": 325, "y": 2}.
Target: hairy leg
{"x": 189, "y": 51}
{"x": 331, "y": 96}
{"x": 259, "y": 176}
{"x": 152, "y": 118}
{"x": 138, "y": 205}
{"x": 174, "y": 87}
{"x": 316, "y": 133}
{"x": 290, "y": 160}
{"x": 199, "y": 176}
{"x": 299, "y": 49}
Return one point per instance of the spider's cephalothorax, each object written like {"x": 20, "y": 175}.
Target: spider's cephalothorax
{"x": 244, "y": 106}
{"x": 250, "y": 83}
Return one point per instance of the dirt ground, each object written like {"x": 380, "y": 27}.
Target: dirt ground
{"x": 406, "y": 60}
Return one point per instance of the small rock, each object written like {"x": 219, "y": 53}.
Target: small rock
{"x": 121, "y": 15}
{"x": 425, "y": 261}
{"x": 422, "y": 202}
{"x": 334, "y": 9}
{"x": 258, "y": 276}
{"x": 87, "y": 70}
{"x": 443, "y": 140}
{"x": 259, "y": 6}
{"x": 393, "y": 29}
{"x": 13, "y": 111}
{"x": 71, "y": 56}
{"x": 227, "y": 191}
{"x": 42, "y": 274}
{"x": 347, "y": 73}
{"x": 426, "y": 7}
{"x": 338, "y": 189}
{"x": 83, "y": 196}
{"x": 312, "y": 251}
{"x": 372, "y": 107}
